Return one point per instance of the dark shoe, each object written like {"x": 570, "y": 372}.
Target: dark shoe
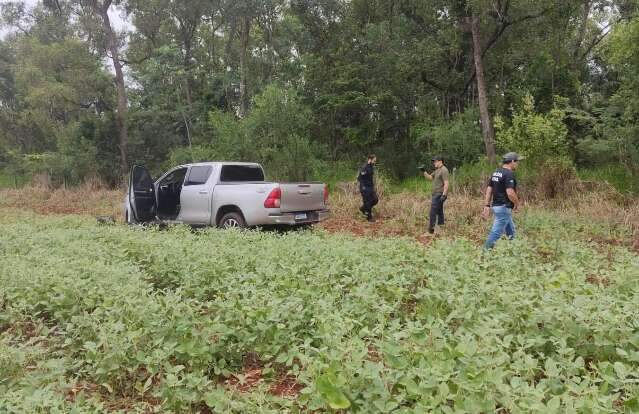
{"x": 370, "y": 219}
{"x": 431, "y": 231}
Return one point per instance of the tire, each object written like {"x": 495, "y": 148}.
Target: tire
{"x": 232, "y": 220}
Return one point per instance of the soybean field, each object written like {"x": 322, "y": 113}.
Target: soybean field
{"x": 110, "y": 318}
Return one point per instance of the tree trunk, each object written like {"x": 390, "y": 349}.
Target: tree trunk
{"x": 486, "y": 123}
{"x": 122, "y": 105}
{"x": 188, "y": 83}
{"x": 245, "y": 28}
{"x": 582, "y": 29}
{"x": 229, "y": 89}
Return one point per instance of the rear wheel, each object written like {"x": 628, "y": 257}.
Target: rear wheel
{"x": 232, "y": 220}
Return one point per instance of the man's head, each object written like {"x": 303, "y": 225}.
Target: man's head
{"x": 372, "y": 159}
{"x": 511, "y": 160}
{"x": 438, "y": 161}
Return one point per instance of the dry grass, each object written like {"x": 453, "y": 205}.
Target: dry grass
{"x": 91, "y": 198}
{"x": 403, "y": 214}
{"x": 407, "y": 214}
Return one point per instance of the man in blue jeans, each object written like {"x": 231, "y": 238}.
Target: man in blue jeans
{"x": 502, "y": 190}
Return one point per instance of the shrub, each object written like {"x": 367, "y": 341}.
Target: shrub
{"x": 275, "y": 134}
{"x": 537, "y": 136}
{"x": 459, "y": 139}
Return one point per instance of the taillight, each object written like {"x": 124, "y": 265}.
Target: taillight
{"x": 274, "y": 198}
{"x": 325, "y": 193}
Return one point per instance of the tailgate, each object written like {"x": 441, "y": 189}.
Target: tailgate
{"x": 302, "y": 197}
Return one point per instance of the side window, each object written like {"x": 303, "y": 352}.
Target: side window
{"x": 141, "y": 178}
{"x": 198, "y": 175}
{"x": 175, "y": 177}
{"x": 244, "y": 173}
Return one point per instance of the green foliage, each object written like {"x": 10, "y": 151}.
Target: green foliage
{"x": 353, "y": 77}
{"x": 472, "y": 176}
{"x": 622, "y": 179}
{"x": 13, "y": 181}
{"x": 596, "y": 152}
{"x": 163, "y": 317}
{"x": 458, "y": 139}
{"x": 274, "y": 133}
{"x": 537, "y": 136}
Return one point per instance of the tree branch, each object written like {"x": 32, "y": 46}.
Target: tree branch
{"x": 597, "y": 40}
{"x": 499, "y": 31}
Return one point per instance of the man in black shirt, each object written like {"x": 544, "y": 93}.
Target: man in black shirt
{"x": 367, "y": 187}
{"x": 502, "y": 190}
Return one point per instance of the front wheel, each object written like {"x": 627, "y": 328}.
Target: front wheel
{"x": 232, "y": 220}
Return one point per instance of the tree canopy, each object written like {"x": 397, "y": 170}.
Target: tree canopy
{"x": 301, "y": 85}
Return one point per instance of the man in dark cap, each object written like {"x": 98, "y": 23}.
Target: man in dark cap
{"x": 439, "y": 177}
{"x": 501, "y": 198}
{"x": 367, "y": 187}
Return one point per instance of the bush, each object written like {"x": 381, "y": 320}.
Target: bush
{"x": 537, "y": 136}
{"x": 459, "y": 139}
{"x": 622, "y": 179}
{"x": 472, "y": 177}
{"x": 275, "y": 134}
{"x": 592, "y": 152}
{"x": 553, "y": 177}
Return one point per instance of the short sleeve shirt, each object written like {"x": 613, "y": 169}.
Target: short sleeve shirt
{"x": 439, "y": 176}
{"x": 500, "y": 181}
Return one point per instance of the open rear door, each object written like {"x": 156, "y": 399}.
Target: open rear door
{"x": 142, "y": 195}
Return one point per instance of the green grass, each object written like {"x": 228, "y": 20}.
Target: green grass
{"x": 124, "y": 318}
{"x": 616, "y": 175}
{"x": 11, "y": 181}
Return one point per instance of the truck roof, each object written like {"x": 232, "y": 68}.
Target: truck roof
{"x": 215, "y": 163}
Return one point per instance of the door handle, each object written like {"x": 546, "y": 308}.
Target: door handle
{"x": 203, "y": 192}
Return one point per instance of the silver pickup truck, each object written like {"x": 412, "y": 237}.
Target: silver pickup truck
{"x": 223, "y": 194}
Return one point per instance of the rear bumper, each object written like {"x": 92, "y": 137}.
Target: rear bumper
{"x": 303, "y": 217}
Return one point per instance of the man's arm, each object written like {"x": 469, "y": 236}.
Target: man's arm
{"x": 445, "y": 188}
{"x": 487, "y": 198}
{"x": 428, "y": 176}
{"x": 512, "y": 196}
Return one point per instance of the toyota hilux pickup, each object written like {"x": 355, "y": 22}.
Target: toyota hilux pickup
{"x": 223, "y": 194}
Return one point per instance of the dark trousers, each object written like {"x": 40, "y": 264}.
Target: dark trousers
{"x": 436, "y": 211}
{"x": 370, "y": 200}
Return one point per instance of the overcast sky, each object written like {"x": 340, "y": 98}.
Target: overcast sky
{"x": 117, "y": 16}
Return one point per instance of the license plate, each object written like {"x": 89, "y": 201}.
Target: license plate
{"x": 301, "y": 216}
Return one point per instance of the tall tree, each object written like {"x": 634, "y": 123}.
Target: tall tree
{"x": 111, "y": 46}
{"x": 484, "y": 111}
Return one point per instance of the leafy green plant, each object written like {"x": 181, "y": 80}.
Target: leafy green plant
{"x": 99, "y": 316}
{"x": 537, "y": 136}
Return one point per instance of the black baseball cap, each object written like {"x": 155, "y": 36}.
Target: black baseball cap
{"x": 512, "y": 156}
{"x": 437, "y": 158}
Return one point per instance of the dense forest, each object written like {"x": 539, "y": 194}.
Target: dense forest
{"x": 309, "y": 87}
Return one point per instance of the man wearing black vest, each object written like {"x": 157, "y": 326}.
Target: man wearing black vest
{"x": 367, "y": 187}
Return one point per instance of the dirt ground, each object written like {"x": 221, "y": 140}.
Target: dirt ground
{"x": 397, "y": 215}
